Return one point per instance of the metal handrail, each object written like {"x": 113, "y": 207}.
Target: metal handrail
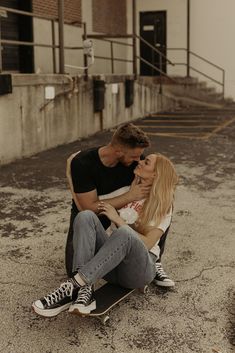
{"x": 34, "y": 15}
{"x": 155, "y": 49}
{"x": 206, "y": 60}
{"x": 26, "y": 13}
{"x": 16, "y": 42}
{"x": 156, "y": 68}
{"x": 198, "y": 56}
{"x": 200, "y": 72}
{"x": 108, "y": 40}
{"x": 115, "y": 59}
{"x": 104, "y": 37}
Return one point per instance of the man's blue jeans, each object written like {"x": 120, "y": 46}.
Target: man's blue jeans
{"x": 121, "y": 258}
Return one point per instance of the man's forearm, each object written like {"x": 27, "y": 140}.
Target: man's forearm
{"x": 118, "y": 201}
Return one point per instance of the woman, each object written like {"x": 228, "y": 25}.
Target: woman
{"x": 127, "y": 257}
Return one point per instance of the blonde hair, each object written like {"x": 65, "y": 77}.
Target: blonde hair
{"x": 161, "y": 195}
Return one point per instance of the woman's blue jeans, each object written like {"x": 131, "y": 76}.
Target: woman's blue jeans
{"x": 121, "y": 258}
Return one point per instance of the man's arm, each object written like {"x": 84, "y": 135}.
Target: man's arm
{"x": 90, "y": 200}
{"x": 69, "y": 178}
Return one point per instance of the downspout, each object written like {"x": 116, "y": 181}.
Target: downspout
{"x": 134, "y": 37}
{"x": 0, "y": 47}
{"x": 188, "y": 38}
{"x": 61, "y": 35}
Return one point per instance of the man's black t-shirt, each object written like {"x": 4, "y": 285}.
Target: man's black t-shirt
{"x": 89, "y": 173}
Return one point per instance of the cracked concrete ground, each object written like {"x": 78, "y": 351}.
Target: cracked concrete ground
{"x": 197, "y": 316}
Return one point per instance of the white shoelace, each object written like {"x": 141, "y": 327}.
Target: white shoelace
{"x": 160, "y": 270}
{"x": 84, "y": 295}
{"x": 65, "y": 289}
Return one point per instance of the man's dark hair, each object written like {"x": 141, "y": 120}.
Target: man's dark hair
{"x": 130, "y": 136}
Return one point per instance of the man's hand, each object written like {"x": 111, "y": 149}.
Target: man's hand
{"x": 109, "y": 211}
{"x": 138, "y": 191}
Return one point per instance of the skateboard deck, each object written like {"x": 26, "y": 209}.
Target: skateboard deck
{"x": 106, "y": 298}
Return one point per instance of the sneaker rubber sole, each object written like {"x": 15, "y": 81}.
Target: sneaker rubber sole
{"x": 50, "y": 312}
{"x": 165, "y": 283}
{"x": 81, "y": 309}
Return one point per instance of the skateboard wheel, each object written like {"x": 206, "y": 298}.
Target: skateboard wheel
{"x": 104, "y": 319}
{"x": 144, "y": 290}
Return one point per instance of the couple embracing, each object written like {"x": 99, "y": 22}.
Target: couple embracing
{"x": 120, "y": 217}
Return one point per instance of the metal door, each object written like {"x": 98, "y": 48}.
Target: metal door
{"x": 153, "y": 30}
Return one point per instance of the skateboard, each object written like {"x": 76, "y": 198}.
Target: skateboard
{"x": 107, "y": 297}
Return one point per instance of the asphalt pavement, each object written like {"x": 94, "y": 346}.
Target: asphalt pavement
{"x": 198, "y": 315}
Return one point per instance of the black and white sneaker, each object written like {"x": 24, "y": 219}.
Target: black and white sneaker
{"x": 161, "y": 279}
{"x": 58, "y": 300}
{"x": 85, "y": 302}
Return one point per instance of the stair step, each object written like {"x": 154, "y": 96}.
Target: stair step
{"x": 190, "y": 88}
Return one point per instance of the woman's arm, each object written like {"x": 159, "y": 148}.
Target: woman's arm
{"x": 154, "y": 233}
{"x": 110, "y": 212}
{"x": 149, "y": 239}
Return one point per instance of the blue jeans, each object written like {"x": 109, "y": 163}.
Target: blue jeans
{"x": 121, "y": 258}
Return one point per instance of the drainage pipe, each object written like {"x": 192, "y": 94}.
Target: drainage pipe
{"x": 188, "y": 38}
{"x": 61, "y": 35}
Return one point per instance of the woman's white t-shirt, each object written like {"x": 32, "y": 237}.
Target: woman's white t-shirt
{"x": 130, "y": 213}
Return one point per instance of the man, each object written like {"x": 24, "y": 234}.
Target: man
{"x": 107, "y": 172}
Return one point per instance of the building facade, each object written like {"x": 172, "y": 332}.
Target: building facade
{"x": 163, "y": 23}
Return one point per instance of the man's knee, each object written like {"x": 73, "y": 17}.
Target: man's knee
{"x": 84, "y": 216}
{"x": 128, "y": 233}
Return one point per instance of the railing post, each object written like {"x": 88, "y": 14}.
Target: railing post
{"x": 134, "y": 37}
{"x": 112, "y": 63}
{"x": 160, "y": 88}
{"x": 223, "y": 82}
{"x": 61, "y": 34}
{"x": 0, "y": 47}
{"x": 84, "y": 56}
{"x": 53, "y": 46}
{"x": 188, "y": 38}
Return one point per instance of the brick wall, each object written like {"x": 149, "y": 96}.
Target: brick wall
{"x": 109, "y": 16}
{"x": 72, "y": 9}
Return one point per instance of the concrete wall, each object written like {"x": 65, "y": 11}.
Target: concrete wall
{"x": 212, "y": 36}
{"x": 30, "y": 123}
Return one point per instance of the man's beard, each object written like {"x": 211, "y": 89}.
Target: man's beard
{"x": 125, "y": 163}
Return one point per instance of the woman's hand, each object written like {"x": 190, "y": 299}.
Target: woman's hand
{"x": 109, "y": 211}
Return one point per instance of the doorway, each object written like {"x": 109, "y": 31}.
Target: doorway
{"x": 19, "y": 28}
{"x": 153, "y": 30}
